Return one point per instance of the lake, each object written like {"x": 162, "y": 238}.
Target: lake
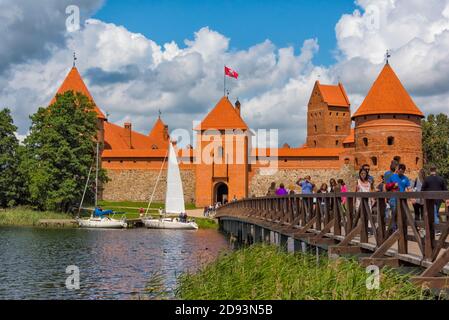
{"x": 113, "y": 264}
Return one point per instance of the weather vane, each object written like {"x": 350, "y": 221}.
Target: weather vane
{"x": 160, "y": 113}
{"x": 74, "y": 59}
{"x": 387, "y": 55}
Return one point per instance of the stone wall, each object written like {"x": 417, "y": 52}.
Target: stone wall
{"x": 259, "y": 184}
{"x": 138, "y": 185}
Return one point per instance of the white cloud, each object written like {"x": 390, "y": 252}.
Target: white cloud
{"x": 132, "y": 77}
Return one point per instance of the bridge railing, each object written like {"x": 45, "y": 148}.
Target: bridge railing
{"x": 385, "y": 218}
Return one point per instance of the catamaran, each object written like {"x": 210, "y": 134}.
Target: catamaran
{"x": 174, "y": 199}
{"x": 99, "y": 218}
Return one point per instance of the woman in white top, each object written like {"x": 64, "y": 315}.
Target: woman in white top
{"x": 363, "y": 185}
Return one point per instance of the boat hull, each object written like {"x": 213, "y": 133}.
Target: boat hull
{"x": 102, "y": 223}
{"x": 169, "y": 224}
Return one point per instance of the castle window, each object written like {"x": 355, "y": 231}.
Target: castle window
{"x": 337, "y": 114}
{"x": 374, "y": 161}
{"x": 344, "y": 114}
{"x": 346, "y": 160}
{"x": 390, "y": 141}
{"x": 336, "y": 128}
{"x": 330, "y": 113}
{"x": 314, "y": 142}
{"x": 365, "y": 142}
{"x": 417, "y": 160}
{"x": 315, "y": 128}
{"x": 336, "y": 142}
{"x": 154, "y": 147}
{"x": 356, "y": 162}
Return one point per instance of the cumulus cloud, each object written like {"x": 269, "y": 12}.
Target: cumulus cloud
{"x": 132, "y": 77}
{"x": 32, "y": 29}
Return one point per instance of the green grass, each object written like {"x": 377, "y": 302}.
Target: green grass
{"x": 27, "y": 217}
{"x": 263, "y": 272}
{"x": 206, "y": 223}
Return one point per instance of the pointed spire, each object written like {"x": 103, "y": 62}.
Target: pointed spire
{"x": 223, "y": 116}
{"x": 159, "y": 134}
{"x": 387, "y": 96}
{"x": 74, "y": 82}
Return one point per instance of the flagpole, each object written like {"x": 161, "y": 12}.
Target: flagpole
{"x": 224, "y": 81}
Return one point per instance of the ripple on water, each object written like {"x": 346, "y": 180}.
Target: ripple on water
{"x": 114, "y": 264}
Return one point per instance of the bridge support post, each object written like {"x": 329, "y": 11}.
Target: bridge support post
{"x": 283, "y": 242}
{"x": 266, "y": 235}
{"x": 299, "y": 245}
{"x": 257, "y": 234}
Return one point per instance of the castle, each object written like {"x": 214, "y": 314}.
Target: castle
{"x": 386, "y": 124}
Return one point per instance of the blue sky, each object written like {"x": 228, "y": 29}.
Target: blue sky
{"x": 245, "y": 22}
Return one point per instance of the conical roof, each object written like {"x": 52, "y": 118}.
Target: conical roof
{"x": 223, "y": 116}
{"x": 387, "y": 96}
{"x": 74, "y": 82}
{"x": 159, "y": 134}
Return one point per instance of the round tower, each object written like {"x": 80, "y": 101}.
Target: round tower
{"x": 388, "y": 125}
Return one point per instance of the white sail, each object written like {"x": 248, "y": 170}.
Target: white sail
{"x": 174, "y": 199}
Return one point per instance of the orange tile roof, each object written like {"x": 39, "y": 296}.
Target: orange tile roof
{"x": 74, "y": 82}
{"x": 350, "y": 138}
{"x": 388, "y": 96}
{"x": 159, "y": 134}
{"x": 223, "y": 116}
{"x": 300, "y": 152}
{"x": 334, "y": 95}
{"x": 115, "y": 138}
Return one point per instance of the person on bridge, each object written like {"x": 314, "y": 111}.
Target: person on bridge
{"x": 306, "y": 185}
{"x": 281, "y": 191}
{"x": 435, "y": 183}
{"x": 272, "y": 190}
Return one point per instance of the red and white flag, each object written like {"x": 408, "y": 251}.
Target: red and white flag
{"x": 231, "y": 73}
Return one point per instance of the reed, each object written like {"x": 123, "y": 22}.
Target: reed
{"x": 263, "y": 272}
{"x": 27, "y": 217}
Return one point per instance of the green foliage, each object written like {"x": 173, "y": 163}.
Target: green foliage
{"x": 436, "y": 143}
{"x": 263, "y": 272}
{"x": 60, "y": 150}
{"x": 11, "y": 182}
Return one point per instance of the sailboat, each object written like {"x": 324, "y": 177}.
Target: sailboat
{"x": 99, "y": 218}
{"x": 174, "y": 198}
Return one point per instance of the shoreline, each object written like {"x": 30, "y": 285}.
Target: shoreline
{"x": 26, "y": 217}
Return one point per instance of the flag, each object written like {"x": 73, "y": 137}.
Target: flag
{"x": 231, "y": 73}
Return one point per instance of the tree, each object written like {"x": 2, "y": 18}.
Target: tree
{"x": 10, "y": 180}
{"x": 60, "y": 150}
{"x": 436, "y": 143}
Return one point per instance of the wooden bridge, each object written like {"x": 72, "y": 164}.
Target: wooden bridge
{"x": 361, "y": 226}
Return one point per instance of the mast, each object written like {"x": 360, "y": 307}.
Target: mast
{"x": 96, "y": 177}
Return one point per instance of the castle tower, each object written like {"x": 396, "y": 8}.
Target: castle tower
{"x": 221, "y": 155}
{"x": 74, "y": 82}
{"x": 388, "y": 125}
{"x": 328, "y": 116}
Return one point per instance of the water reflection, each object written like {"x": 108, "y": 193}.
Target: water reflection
{"x": 114, "y": 264}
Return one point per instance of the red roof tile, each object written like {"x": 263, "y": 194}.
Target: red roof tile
{"x": 334, "y": 95}
{"x": 388, "y": 96}
{"x": 74, "y": 82}
{"x": 223, "y": 116}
